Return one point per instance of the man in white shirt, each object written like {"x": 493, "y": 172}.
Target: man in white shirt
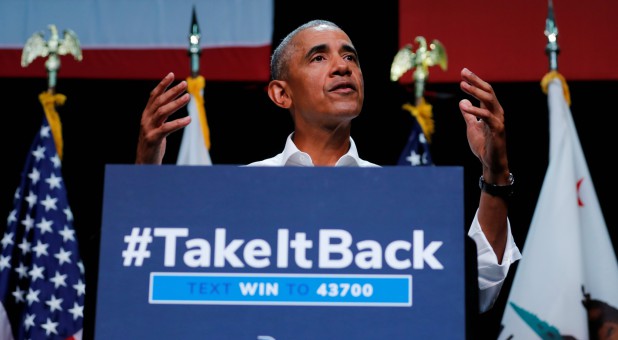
{"x": 316, "y": 75}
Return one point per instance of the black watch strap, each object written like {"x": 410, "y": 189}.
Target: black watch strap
{"x": 498, "y": 190}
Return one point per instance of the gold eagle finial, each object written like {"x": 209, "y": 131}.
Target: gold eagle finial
{"x": 424, "y": 57}
{"x": 36, "y": 46}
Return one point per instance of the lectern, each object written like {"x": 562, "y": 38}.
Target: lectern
{"x": 236, "y": 252}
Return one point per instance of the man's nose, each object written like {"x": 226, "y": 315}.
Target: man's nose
{"x": 341, "y": 67}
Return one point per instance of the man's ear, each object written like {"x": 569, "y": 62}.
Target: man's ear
{"x": 277, "y": 91}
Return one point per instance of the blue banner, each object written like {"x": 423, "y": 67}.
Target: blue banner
{"x": 227, "y": 252}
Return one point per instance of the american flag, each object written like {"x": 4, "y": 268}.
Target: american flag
{"x": 42, "y": 283}
{"x": 416, "y": 152}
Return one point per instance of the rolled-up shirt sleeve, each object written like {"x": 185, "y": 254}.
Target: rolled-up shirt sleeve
{"x": 491, "y": 274}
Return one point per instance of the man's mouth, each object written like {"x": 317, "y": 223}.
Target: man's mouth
{"x": 343, "y": 86}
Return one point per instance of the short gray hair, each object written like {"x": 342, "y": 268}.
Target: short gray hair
{"x": 281, "y": 56}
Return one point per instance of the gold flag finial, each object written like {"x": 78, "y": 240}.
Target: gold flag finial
{"x": 194, "y": 45}
{"x": 551, "y": 32}
{"x": 36, "y": 46}
{"x": 424, "y": 57}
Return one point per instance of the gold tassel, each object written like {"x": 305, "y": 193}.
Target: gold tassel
{"x": 424, "y": 116}
{"x": 565, "y": 88}
{"x": 195, "y": 87}
{"x": 49, "y": 102}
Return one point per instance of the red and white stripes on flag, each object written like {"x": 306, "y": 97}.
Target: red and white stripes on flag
{"x": 143, "y": 39}
{"x": 566, "y": 284}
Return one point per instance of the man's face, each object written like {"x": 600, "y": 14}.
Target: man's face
{"x": 325, "y": 80}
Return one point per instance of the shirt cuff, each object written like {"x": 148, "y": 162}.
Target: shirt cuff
{"x": 491, "y": 274}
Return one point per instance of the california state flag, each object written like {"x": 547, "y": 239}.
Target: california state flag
{"x": 566, "y": 284}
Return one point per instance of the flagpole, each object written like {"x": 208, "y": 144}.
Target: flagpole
{"x": 552, "y": 49}
{"x": 195, "y": 143}
{"x": 36, "y": 46}
{"x": 194, "y": 45}
{"x": 551, "y": 32}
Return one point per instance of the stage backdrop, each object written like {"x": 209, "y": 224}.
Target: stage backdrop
{"x": 143, "y": 39}
{"x": 504, "y": 40}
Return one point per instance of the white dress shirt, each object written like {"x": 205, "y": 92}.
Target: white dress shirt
{"x": 491, "y": 274}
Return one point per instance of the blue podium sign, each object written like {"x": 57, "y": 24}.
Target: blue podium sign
{"x": 272, "y": 253}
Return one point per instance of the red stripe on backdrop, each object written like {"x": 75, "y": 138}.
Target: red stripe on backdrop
{"x": 219, "y": 64}
{"x": 505, "y": 41}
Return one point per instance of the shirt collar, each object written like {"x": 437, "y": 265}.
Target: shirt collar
{"x": 292, "y": 156}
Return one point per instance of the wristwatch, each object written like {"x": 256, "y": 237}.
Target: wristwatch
{"x": 498, "y": 190}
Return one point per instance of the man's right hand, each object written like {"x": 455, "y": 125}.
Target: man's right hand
{"x": 154, "y": 127}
